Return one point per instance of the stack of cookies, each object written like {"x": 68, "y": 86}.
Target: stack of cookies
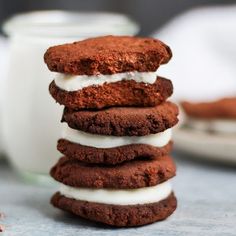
{"x": 116, "y": 167}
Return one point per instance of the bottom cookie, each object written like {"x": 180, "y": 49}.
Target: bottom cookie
{"x": 117, "y": 215}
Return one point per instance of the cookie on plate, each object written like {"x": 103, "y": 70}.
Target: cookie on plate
{"x": 224, "y": 108}
{"x": 217, "y": 116}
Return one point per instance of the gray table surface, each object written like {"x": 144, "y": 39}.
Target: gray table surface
{"x": 206, "y": 206}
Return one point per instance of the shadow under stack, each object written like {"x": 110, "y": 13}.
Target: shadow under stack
{"x": 116, "y": 165}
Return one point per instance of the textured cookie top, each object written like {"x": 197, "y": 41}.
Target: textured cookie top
{"x": 124, "y": 121}
{"x": 108, "y": 55}
{"x": 127, "y": 175}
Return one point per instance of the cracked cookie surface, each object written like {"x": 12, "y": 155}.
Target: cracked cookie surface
{"x": 127, "y": 175}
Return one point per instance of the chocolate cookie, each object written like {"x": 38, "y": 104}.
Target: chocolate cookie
{"x": 111, "y": 156}
{"x": 117, "y": 215}
{"x": 124, "y": 121}
{"x": 122, "y": 93}
{"x": 133, "y": 174}
{"x": 221, "y": 109}
{"x": 108, "y": 55}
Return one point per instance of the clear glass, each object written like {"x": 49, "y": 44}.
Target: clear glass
{"x": 31, "y": 118}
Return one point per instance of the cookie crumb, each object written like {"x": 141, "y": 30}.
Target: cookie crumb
{"x": 2, "y": 228}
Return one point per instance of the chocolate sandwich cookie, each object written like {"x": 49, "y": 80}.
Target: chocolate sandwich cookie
{"x": 123, "y": 121}
{"x": 220, "y": 109}
{"x": 117, "y": 215}
{"x": 133, "y": 174}
{"x": 111, "y": 156}
{"x": 108, "y": 55}
{"x": 121, "y": 93}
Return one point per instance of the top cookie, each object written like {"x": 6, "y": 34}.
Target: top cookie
{"x": 108, "y": 55}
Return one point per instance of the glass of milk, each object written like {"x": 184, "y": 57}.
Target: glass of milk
{"x": 31, "y": 120}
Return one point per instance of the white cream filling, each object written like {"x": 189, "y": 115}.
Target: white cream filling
{"x": 107, "y": 141}
{"x": 219, "y": 126}
{"x": 77, "y": 82}
{"x": 119, "y": 196}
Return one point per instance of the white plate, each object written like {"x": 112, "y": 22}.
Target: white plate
{"x": 209, "y": 146}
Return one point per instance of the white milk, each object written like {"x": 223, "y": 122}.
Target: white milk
{"x": 31, "y": 117}
{"x": 3, "y": 69}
